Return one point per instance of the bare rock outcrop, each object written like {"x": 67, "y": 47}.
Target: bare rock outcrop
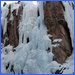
{"x": 12, "y": 26}
{"x": 58, "y": 28}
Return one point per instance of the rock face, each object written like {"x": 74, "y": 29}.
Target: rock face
{"x": 58, "y": 28}
{"x": 12, "y": 26}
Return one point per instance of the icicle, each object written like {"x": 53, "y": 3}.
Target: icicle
{"x": 4, "y": 19}
{"x": 28, "y": 21}
{"x": 41, "y": 12}
{"x": 5, "y": 26}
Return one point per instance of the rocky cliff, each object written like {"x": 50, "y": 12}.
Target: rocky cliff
{"x": 23, "y": 36}
{"x": 58, "y": 28}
